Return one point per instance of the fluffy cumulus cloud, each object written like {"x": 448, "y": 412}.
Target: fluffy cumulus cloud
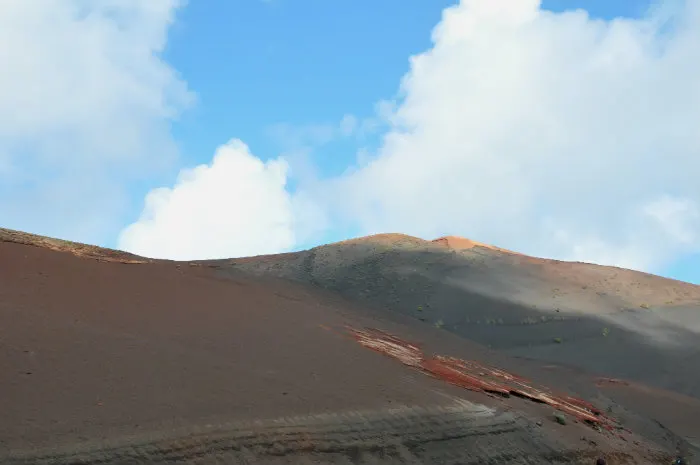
{"x": 236, "y": 206}
{"x": 85, "y": 102}
{"x": 551, "y": 133}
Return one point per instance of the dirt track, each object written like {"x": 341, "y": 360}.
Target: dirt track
{"x": 129, "y": 363}
{"x": 461, "y": 433}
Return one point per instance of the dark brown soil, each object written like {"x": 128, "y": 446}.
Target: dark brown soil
{"x": 165, "y": 362}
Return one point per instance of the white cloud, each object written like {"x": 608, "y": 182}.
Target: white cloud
{"x": 550, "y": 133}
{"x": 85, "y": 102}
{"x": 295, "y": 137}
{"x": 348, "y": 125}
{"x": 678, "y": 218}
{"x": 312, "y": 136}
{"x": 237, "y": 206}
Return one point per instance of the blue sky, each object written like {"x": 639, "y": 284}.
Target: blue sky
{"x": 281, "y": 76}
{"x": 255, "y": 63}
{"x": 308, "y": 62}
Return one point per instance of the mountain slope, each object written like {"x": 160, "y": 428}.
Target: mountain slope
{"x": 111, "y": 358}
{"x": 76, "y": 248}
{"x": 136, "y": 361}
{"x": 605, "y": 320}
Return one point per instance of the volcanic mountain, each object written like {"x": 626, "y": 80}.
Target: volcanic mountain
{"x": 385, "y": 349}
{"x": 606, "y": 320}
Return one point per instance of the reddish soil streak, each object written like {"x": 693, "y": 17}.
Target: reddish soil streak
{"x": 477, "y": 377}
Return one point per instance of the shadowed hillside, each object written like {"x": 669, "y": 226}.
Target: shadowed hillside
{"x": 606, "y": 320}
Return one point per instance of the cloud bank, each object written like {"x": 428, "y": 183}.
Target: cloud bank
{"x": 549, "y": 133}
{"x": 85, "y": 102}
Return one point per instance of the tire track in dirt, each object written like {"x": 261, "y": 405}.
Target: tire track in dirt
{"x": 459, "y": 433}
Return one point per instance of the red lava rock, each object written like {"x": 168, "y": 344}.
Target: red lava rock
{"x": 476, "y": 377}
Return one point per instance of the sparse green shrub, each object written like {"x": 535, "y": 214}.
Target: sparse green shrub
{"x": 606, "y": 331}
{"x": 558, "y": 340}
{"x": 645, "y": 306}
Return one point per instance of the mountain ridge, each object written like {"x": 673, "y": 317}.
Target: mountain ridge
{"x": 95, "y": 350}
